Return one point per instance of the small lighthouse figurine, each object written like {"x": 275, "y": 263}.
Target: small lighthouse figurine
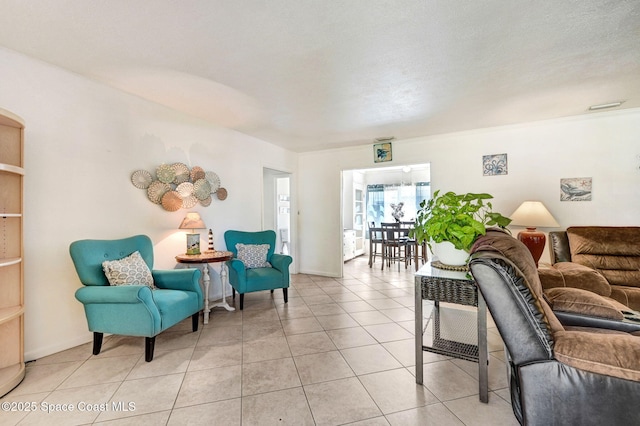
{"x": 211, "y": 241}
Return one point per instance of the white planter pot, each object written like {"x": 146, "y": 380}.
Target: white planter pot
{"x": 449, "y": 255}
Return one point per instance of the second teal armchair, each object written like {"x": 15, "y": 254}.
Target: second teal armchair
{"x": 133, "y": 310}
{"x": 246, "y": 277}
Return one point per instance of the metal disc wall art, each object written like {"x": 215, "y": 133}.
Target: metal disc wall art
{"x": 221, "y": 193}
{"x": 197, "y": 173}
{"x": 171, "y": 201}
{"x": 165, "y": 173}
{"x": 201, "y": 189}
{"x": 185, "y": 189}
{"x": 182, "y": 173}
{"x": 141, "y": 179}
{"x": 156, "y": 190}
{"x": 175, "y": 186}
{"x": 213, "y": 180}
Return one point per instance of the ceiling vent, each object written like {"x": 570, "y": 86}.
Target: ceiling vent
{"x": 605, "y": 106}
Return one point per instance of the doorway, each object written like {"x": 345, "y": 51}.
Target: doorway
{"x": 276, "y": 212}
{"x": 368, "y": 196}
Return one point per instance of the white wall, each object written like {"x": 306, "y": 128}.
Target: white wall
{"x": 396, "y": 176}
{"x": 319, "y": 222}
{"x": 82, "y": 142}
{"x": 603, "y": 146}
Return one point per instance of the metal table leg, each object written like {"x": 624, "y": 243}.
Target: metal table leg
{"x": 483, "y": 356}
{"x": 418, "y": 333}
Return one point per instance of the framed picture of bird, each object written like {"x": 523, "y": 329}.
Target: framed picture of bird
{"x": 576, "y": 189}
{"x": 382, "y": 152}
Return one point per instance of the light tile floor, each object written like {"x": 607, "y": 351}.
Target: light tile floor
{"x": 340, "y": 352}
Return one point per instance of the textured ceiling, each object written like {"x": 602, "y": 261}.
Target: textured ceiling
{"x": 315, "y": 74}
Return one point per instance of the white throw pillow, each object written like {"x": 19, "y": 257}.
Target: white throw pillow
{"x": 253, "y": 255}
{"x": 131, "y": 270}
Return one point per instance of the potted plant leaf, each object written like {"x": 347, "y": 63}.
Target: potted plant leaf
{"x": 451, "y": 222}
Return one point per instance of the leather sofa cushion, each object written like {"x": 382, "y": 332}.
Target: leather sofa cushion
{"x": 583, "y": 302}
{"x": 613, "y": 251}
{"x": 559, "y": 244}
{"x": 569, "y": 274}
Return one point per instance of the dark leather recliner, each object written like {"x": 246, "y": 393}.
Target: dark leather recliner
{"x": 558, "y": 375}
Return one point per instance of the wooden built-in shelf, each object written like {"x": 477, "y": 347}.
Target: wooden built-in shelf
{"x": 11, "y": 169}
{"x": 11, "y": 376}
{"x": 7, "y": 314}
{"x": 12, "y": 366}
{"x": 10, "y": 261}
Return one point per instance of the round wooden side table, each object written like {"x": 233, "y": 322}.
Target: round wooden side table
{"x": 205, "y": 259}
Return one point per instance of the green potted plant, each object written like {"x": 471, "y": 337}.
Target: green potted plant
{"x": 454, "y": 221}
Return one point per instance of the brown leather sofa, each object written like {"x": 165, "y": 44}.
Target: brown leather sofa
{"x": 602, "y": 259}
{"x": 559, "y": 375}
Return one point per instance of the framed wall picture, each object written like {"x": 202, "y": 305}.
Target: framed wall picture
{"x": 576, "y": 189}
{"x": 494, "y": 165}
{"x": 382, "y": 152}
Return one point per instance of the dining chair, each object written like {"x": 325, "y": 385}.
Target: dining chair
{"x": 375, "y": 242}
{"x": 394, "y": 246}
{"x": 390, "y": 225}
{"x": 415, "y": 251}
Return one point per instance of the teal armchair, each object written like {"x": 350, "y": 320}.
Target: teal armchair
{"x": 133, "y": 310}
{"x": 247, "y": 280}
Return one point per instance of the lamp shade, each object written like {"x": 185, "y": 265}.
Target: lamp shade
{"x": 192, "y": 221}
{"x": 533, "y": 214}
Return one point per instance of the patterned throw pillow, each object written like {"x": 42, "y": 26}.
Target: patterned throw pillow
{"x": 253, "y": 255}
{"x": 131, "y": 270}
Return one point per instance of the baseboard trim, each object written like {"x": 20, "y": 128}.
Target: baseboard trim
{"x": 58, "y": 347}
